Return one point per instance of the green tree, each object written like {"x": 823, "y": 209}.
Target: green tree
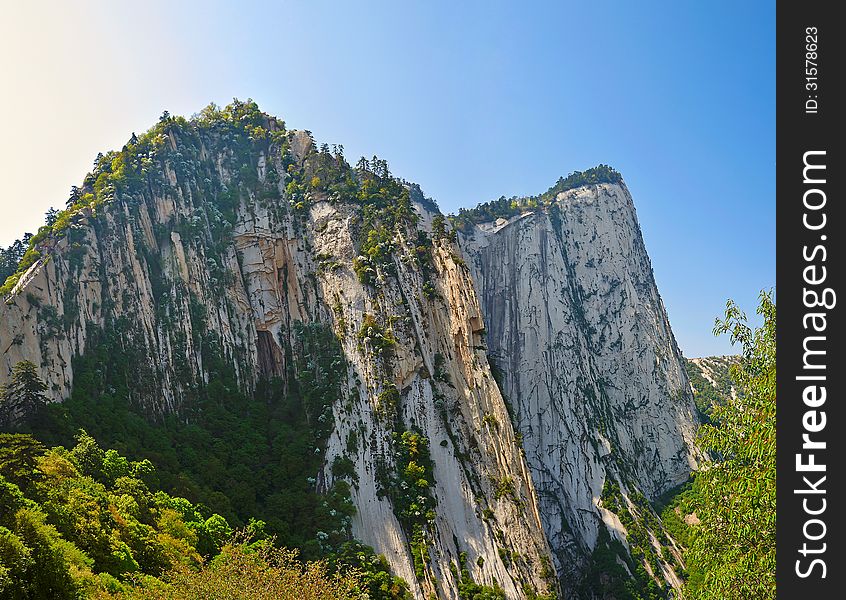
{"x": 218, "y": 531}
{"x": 41, "y": 565}
{"x": 10, "y": 257}
{"x": 252, "y": 572}
{"x": 24, "y": 394}
{"x": 732, "y": 550}
{"x": 19, "y": 455}
{"x": 87, "y": 455}
{"x": 50, "y": 216}
{"x": 15, "y": 561}
{"x": 115, "y": 466}
{"x": 372, "y": 570}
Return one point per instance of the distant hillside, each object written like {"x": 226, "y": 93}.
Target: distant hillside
{"x": 710, "y": 380}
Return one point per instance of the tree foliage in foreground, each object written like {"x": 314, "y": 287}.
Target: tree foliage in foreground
{"x": 85, "y": 523}
{"x": 731, "y": 554}
{"x": 244, "y": 571}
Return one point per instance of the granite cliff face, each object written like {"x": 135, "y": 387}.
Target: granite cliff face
{"x": 589, "y": 363}
{"x": 216, "y": 241}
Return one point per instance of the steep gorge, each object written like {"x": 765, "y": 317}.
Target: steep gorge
{"x": 218, "y": 242}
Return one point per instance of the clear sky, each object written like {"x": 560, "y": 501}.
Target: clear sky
{"x": 472, "y": 100}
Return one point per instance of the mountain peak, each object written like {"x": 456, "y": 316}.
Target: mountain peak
{"x": 459, "y": 403}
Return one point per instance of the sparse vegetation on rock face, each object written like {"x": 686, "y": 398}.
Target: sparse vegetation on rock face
{"x": 260, "y": 319}
{"x": 505, "y": 208}
{"x": 264, "y": 333}
{"x": 710, "y": 379}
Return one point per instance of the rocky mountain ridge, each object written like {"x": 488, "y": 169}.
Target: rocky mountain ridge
{"x": 501, "y": 399}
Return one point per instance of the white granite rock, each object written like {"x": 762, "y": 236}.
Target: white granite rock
{"x": 590, "y": 364}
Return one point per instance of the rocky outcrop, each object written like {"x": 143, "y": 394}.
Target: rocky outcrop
{"x": 588, "y": 360}
{"x": 214, "y": 248}
{"x": 210, "y": 244}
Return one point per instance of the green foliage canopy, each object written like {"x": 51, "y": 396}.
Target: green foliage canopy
{"x": 732, "y": 550}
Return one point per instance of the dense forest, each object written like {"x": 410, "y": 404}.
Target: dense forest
{"x": 240, "y": 458}
{"x": 87, "y": 522}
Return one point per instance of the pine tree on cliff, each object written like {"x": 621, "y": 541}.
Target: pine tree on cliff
{"x": 23, "y": 395}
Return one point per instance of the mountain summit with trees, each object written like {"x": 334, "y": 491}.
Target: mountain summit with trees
{"x": 233, "y": 345}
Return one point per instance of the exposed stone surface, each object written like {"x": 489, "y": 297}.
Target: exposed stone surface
{"x": 561, "y": 299}
{"x": 589, "y": 362}
{"x": 149, "y": 269}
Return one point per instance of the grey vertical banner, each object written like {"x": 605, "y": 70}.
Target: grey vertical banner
{"x": 810, "y": 231}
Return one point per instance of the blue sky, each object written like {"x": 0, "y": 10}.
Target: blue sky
{"x": 472, "y": 101}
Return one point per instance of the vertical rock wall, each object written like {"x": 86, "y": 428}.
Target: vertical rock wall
{"x": 175, "y": 282}
{"x": 228, "y": 235}
{"x": 589, "y": 362}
